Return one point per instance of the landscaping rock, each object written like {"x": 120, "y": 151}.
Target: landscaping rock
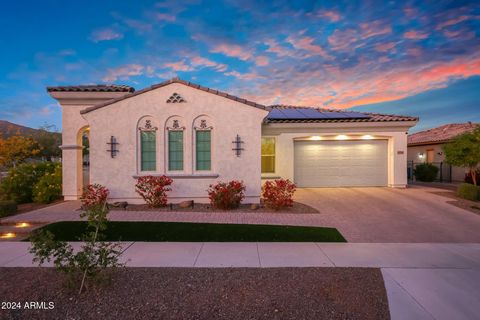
{"x": 186, "y": 204}
{"x": 121, "y": 204}
{"x": 254, "y": 206}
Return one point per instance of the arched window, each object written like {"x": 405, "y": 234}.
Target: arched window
{"x": 148, "y": 145}
{"x": 203, "y": 145}
{"x": 175, "y": 144}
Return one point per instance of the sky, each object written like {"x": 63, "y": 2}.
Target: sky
{"x": 417, "y": 58}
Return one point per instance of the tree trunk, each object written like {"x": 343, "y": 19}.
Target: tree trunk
{"x": 473, "y": 173}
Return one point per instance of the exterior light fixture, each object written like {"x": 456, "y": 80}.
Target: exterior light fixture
{"x": 367, "y": 137}
{"x": 7, "y": 235}
{"x": 341, "y": 137}
{"x": 315, "y": 138}
{"x": 421, "y": 155}
{"x": 22, "y": 225}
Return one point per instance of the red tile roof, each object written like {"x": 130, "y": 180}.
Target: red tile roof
{"x": 372, "y": 117}
{"x": 441, "y": 134}
{"x": 92, "y": 88}
{"x": 176, "y": 80}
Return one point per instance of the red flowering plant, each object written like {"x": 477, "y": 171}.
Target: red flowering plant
{"x": 94, "y": 195}
{"x": 154, "y": 190}
{"x": 278, "y": 194}
{"x": 226, "y": 195}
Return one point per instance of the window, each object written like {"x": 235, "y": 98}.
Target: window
{"x": 203, "y": 150}
{"x": 148, "y": 151}
{"x": 175, "y": 150}
{"x": 268, "y": 155}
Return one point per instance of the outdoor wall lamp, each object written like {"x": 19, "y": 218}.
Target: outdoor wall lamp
{"x": 421, "y": 155}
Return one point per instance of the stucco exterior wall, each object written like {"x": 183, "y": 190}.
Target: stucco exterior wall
{"x": 286, "y": 134}
{"x": 227, "y": 117}
{"x": 458, "y": 173}
{"x": 72, "y": 126}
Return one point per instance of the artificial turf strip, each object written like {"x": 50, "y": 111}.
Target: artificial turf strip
{"x": 197, "y": 232}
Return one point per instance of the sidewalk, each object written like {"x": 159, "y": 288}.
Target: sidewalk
{"x": 423, "y": 281}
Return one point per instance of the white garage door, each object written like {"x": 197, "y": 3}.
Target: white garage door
{"x": 341, "y": 163}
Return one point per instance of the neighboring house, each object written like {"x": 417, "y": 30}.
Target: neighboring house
{"x": 426, "y": 146}
{"x": 198, "y": 136}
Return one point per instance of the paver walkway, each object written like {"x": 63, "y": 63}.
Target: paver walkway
{"x": 423, "y": 281}
{"x": 360, "y": 214}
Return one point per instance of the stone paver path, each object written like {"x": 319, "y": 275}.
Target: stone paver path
{"x": 382, "y": 215}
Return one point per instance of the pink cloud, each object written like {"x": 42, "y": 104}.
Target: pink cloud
{"x": 261, "y": 61}
{"x": 306, "y": 43}
{"x": 204, "y": 62}
{"x": 279, "y": 50}
{"x": 452, "y": 22}
{"x": 342, "y": 39}
{"x": 105, "y": 34}
{"x": 233, "y": 50}
{"x": 332, "y": 15}
{"x": 362, "y": 84}
{"x": 165, "y": 17}
{"x": 123, "y": 72}
{"x": 374, "y": 28}
{"x": 415, "y": 35}
{"x": 385, "y": 47}
{"x": 243, "y": 76}
{"x": 178, "y": 66}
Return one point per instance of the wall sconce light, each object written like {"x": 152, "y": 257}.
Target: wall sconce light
{"x": 341, "y": 137}
{"x": 440, "y": 153}
{"x": 421, "y": 155}
{"x": 367, "y": 137}
{"x": 315, "y": 138}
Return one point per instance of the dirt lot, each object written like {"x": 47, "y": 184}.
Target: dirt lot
{"x": 196, "y": 293}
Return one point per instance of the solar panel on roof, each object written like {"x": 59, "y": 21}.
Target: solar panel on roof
{"x": 276, "y": 114}
{"x": 293, "y": 114}
{"x": 313, "y": 114}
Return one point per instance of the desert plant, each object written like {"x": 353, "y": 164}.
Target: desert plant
{"x": 49, "y": 187}
{"x": 468, "y": 191}
{"x": 19, "y": 182}
{"x": 95, "y": 257}
{"x": 226, "y": 195}
{"x": 425, "y": 172}
{"x": 154, "y": 190}
{"x": 7, "y": 208}
{"x": 278, "y": 194}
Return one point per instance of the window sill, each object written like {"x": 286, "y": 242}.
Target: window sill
{"x": 270, "y": 176}
{"x": 181, "y": 175}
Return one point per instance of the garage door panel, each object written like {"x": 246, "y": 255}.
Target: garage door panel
{"x": 341, "y": 163}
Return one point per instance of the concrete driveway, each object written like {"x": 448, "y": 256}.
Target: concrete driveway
{"x": 392, "y": 215}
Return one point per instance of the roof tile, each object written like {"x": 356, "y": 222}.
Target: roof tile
{"x": 441, "y": 134}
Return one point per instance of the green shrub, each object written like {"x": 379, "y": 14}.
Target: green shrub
{"x": 425, "y": 172}
{"x": 468, "y": 191}
{"x": 49, "y": 187}
{"x": 7, "y": 208}
{"x": 18, "y": 184}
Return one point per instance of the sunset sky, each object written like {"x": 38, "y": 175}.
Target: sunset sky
{"x": 415, "y": 58}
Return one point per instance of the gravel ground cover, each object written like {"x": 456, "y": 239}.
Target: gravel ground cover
{"x": 472, "y": 206}
{"x": 196, "y": 232}
{"x": 187, "y": 293}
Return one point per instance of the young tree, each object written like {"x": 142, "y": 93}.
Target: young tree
{"x": 49, "y": 140}
{"x": 16, "y": 149}
{"x": 464, "y": 151}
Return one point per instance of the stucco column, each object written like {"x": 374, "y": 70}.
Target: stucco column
{"x": 399, "y": 160}
{"x": 72, "y": 171}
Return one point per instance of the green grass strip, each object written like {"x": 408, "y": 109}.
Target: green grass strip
{"x": 197, "y": 232}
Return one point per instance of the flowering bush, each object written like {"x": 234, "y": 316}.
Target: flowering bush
{"x": 154, "y": 189}
{"x": 49, "y": 187}
{"x": 278, "y": 194}
{"x": 226, "y": 195}
{"x": 94, "y": 195}
{"x": 18, "y": 184}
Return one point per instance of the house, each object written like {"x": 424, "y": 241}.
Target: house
{"x": 426, "y": 146}
{"x": 198, "y": 135}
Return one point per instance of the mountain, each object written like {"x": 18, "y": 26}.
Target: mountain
{"x": 8, "y": 129}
